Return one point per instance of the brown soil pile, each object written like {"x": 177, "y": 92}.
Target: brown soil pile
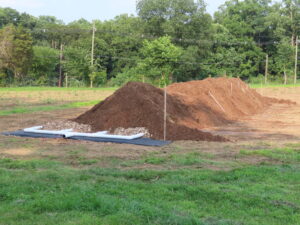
{"x": 191, "y": 106}
{"x": 219, "y": 101}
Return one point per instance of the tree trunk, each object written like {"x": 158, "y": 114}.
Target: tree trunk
{"x": 171, "y": 77}
{"x": 285, "y": 76}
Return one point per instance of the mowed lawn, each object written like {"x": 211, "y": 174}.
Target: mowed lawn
{"x": 48, "y": 192}
{"x": 47, "y": 182}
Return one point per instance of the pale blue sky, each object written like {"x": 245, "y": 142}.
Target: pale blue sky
{"x": 69, "y": 10}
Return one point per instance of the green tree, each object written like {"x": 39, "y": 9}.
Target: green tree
{"x": 159, "y": 59}
{"x": 123, "y": 37}
{"x": 284, "y": 60}
{"x": 8, "y": 16}
{"x": 180, "y": 19}
{"x": 291, "y": 9}
{"x": 237, "y": 57}
{"x": 44, "y": 65}
{"x": 77, "y": 64}
{"x": 16, "y": 50}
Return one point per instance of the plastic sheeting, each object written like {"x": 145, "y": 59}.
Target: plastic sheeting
{"x": 139, "y": 141}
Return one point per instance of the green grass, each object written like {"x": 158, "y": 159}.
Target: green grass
{"x": 286, "y": 155}
{"x": 45, "y": 192}
{"x": 31, "y": 109}
{"x": 88, "y": 162}
{"x": 38, "y": 89}
{"x": 273, "y": 85}
{"x": 181, "y": 160}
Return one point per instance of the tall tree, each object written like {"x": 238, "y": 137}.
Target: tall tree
{"x": 291, "y": 9}
{"x": 44, "y": 65}
{"x": 180, "y": 19}
{"x": 8, "y": 16}
{"x": 16, "y": 50}
{"x": 159, "y": 59}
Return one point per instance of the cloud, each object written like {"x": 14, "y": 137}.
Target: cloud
{"x": 21, "y": 3}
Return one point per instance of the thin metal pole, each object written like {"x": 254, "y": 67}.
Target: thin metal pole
{"x": 165, "y": 112}
{"x": 296, "y": 61}
{"x": 93, "y": 45}
{"x": 92, "y": 54}
{"x": 60, "y": 65}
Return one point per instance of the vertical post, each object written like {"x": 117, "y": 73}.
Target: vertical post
{"x": 165, "y": 112}
{"x": 267, "y": 69}
{"x": 92, "y": 54}
{"x": 231, "y": 88}
{"x": 66, "y": 80}
{"x": 261, "y": 86}
{"x": 285, "y": 76}
{"x": 93, "y": 45}
{"x": 60, "y": 65}
{"x": 296, "y": 61}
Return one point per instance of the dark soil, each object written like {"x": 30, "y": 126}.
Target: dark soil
{"x": 191, "y": 106}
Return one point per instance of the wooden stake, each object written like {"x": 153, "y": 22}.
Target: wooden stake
{"x": 231, "y": 88}
{"x": 60, "y": 65}
{"x": 165, "y": 112}
{"x": 66, "y": 80}
{"x": 296, "y": 61}
{"x": 267, "y": 69}
{"x": 93, "y": 45}
{"x": 92, "y": 54}
{"x": 285, "y": 76}
{"x": 213, "y": 97}
{"x": 261, "y": 87}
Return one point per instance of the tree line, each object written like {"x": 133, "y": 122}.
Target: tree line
{"x": 168, "y": 41}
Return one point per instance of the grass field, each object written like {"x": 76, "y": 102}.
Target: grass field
{"x": 49, "y": 192}
{"x": 79, "y": 183}
{"x": 274, "y": 85}
{"x": 36, "y": 99}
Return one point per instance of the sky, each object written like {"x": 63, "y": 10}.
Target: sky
{"x": 70, "y": 10}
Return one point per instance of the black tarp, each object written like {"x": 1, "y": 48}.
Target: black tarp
{"x": 139, "y": 141}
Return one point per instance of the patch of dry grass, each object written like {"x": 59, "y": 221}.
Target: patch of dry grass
{"x": 45, "y": 96}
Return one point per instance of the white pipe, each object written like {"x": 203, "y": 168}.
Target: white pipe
{"x": 38, "y": 131}
{"x": 72, "y": 134}
{"x": 102, "y": 132}
{"x": 68, "y": 133}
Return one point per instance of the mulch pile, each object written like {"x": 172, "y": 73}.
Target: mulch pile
{"x": 191, "y": 106}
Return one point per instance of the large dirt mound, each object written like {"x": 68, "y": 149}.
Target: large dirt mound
{"x": 141, "y": 105}
{"x": 217, "y": 101}
{"x": 191, "y": 106}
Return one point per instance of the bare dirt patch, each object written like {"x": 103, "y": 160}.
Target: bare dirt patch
{"x": 278, "y": 122}
{"x": 18, "y": 152}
